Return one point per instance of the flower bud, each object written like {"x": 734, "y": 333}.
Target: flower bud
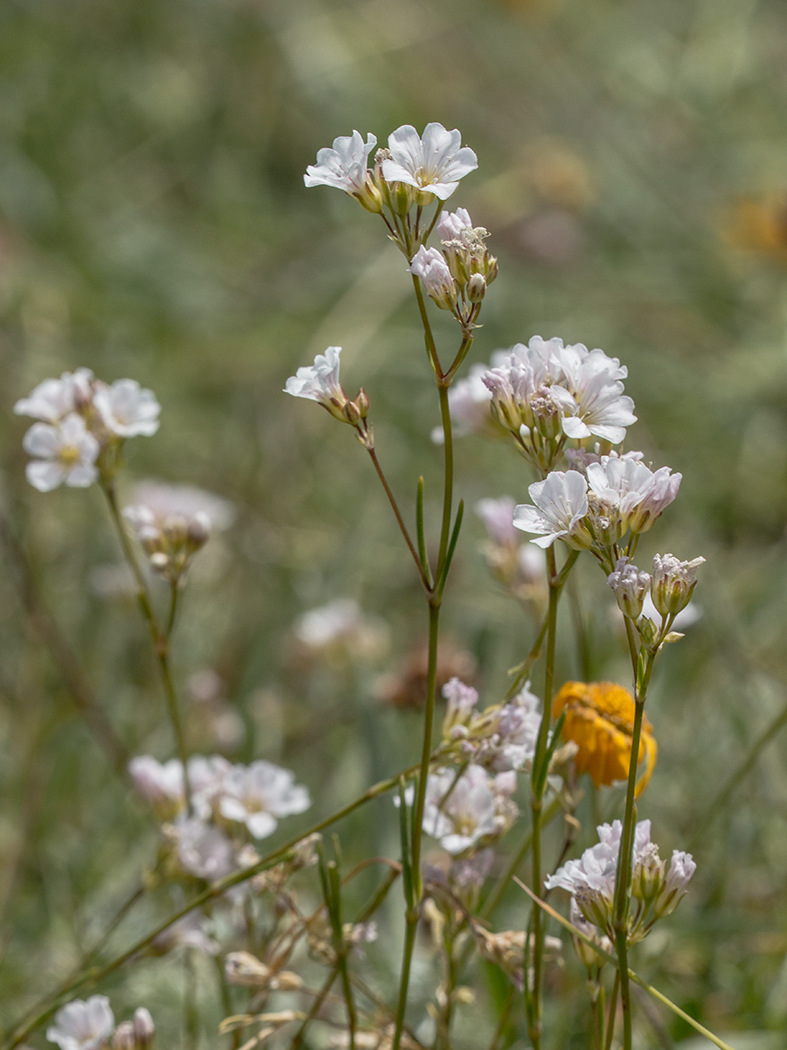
{"x": 630, "y": 587}
{"x": 351, "y": 413}
{"x": 124, "y": 1038}
{"x": 144, "y": 1029}
{"x": 673, "y": 583}
{"x": 476, "y": 288}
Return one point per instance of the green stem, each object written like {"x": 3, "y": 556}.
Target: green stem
{"x": 419, "y": 564}
{"x": 538, "y": 783}
{"x": 159, "y": 639}
{"x": 613, "y": 1009}
{"x": 431, "y": 349}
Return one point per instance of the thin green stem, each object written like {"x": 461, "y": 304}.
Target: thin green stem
{"x": 613, "y": 1009}
{"x": 419, "y": 564}
{"x": 159, "y": 639}
{"x": 538, "y": 782}
{"x": 431, "y": 349}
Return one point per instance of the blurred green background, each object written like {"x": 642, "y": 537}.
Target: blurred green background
{"x": 154, "y": 224}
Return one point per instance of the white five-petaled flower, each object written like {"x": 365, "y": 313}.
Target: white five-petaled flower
{"x": 591, "y": 394}
{"x": 344, "y": 165}
{"x": 53, "y": 399}
{"x": 430, "y": 266}
{"x": 256, "y": 795}
{"x": 432, "y": 164}
{"x": 320, "y": 382}
{"x": 63, "y": 452}
{"x": 83, "y": 1024}
{"x": 561, "y": 505}
{"x": 127, "y": 409}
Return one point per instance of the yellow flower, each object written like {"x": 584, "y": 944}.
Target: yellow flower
{"x": 600, "y": 720}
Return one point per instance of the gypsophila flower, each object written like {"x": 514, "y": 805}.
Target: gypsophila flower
{"x": 561, "y": 505}
{"x": 202, "y": 849}
{"x": 432, "y": 164}
{"x": 673, "y": 583}
{"x": 498, "y": 518}
{"x": 127, "y": 409}
{"x": 320, "y": 382}
{"x": 53, "y": 399}
{"x": 628, "y": 494}
{"x": 159, "y": 784}
{"x": 64, "y": 452}
{"x": 344, "y": 167}
{"x": 593, "y": 403}
{"x": 256, "y": 795}
{"x": 83, "y": 1024}
{"x": 454, "y": 226}
{"x": 470, "y": 812}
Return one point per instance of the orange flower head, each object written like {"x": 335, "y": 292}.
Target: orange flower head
{"x": 600, "y": 720}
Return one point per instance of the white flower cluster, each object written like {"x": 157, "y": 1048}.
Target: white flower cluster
{"x": 598, "y": 504}
{"x": 656, "y": 890}
{"x": 546, "y": 392}
{"x": 227, "y": 800}
{"x": 457, "y": 277}
{"x": 90, "y": 1024}
{"x": 669, "y": 588}
{"x": 79, "y": 417}
{"x": 172, "y": 522}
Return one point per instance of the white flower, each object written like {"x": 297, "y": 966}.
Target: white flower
{"x": 631, "y": 491}
{"x": 344, "y": 166}
{"x": 256, "y": 795}
{"x": 320, "y": 382}
{"x": 83, "y": 1024}
{"x": 682, "y": 867}
{"x": 127, "y": 409}
{"x": 594, "y": 402}
{"x": 55, "y": 398}
{"x": 65, "y": 452}
{"x": 561, "y": 504}
{"x": 516, "y": 733}
{"x": 202, "y": 849}
{"x": 434, "y": 164}
{"x": 462, "y": 813}
{"x": 430, "y": 266}
{"x": 497, "y": 516}
{"x": 159, "y": 784}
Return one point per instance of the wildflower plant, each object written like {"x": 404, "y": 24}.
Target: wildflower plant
{"x": 564, "y": 409}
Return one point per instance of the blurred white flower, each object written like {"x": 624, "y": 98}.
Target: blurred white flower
{"x": 159, "y": 504}
{"x": 469, "y": 811}
{"x": 498, "y": 518}
{"x": 202, "y": 849}
{"x": 256, "y": 795}
{"x": 83, "y": 1024}
{"x": 432, "y": 164}
{"x": 64, "y": 452}
{"x": 160, "y": 784}
{"x": 127, "y": 409}
{"x": 53, "y": 399}
{"x": 341, "y": 629}
{"x": 344, "y": 165}
{"x": 561, "y": 505}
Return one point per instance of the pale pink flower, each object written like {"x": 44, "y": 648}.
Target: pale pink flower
{"x": 83, "y": 1024}
{"x": 464, "y": 814}
{"x": 64, "y": 452}
{"x": 432, "y": 164}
